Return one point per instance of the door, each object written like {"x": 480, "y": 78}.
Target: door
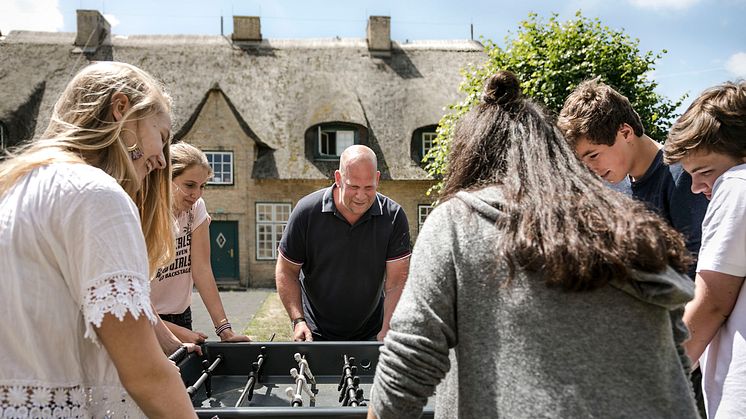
{"x": 224, "y": 250}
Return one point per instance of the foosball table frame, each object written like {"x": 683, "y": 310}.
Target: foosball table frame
{"x": 282, "y": 379}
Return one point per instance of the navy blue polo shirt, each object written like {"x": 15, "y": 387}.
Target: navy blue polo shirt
{"x": 667, "y": 190}
{"x": 343, "y": 265}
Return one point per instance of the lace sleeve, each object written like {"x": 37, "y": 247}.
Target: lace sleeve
{"x": 118, "y": 294}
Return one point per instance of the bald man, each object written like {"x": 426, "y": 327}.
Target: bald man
{"x": 344, "y": 256}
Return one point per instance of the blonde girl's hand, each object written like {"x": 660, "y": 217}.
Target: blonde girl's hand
{"x": 228, "y": 336}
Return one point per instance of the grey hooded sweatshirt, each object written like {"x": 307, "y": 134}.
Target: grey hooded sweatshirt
{"x": 526, "y": 350}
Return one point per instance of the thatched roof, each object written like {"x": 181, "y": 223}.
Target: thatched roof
{"x": 277, "y": 88}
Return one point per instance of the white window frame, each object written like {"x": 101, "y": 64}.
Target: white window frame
{"x": 423, "y": 210}
{"x": 219, "y": 172}
{"x": 428, "y": 142}
{"x": 340, "y": 144}
{"x": 276, "y": 216}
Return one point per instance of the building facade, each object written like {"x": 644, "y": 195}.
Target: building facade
{"x": 272, "y": 115}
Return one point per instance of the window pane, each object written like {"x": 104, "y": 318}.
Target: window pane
{"x": 271, "y": 220}
{"x": 263, "y": 212}
{"x": 326, "y": 143}
{"x": 344, "y": 140}
{"x": 222, "y": 167}
{"x": 422, "y": 212}
{"x": 428, "y": 140}
{"x": 283, "y": 213}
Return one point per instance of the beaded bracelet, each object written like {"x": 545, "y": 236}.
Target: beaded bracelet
{"x": 222, "y": 328}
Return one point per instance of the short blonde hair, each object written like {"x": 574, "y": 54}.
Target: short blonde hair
{"x": 82, "y": 130}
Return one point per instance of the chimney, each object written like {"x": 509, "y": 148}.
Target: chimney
{"x": 246, "y": 28}
{"x": 379, "y": 36}
{"x": 93, "y": 30}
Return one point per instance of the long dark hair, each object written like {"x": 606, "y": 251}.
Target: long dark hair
{"x": 560, "y": 218}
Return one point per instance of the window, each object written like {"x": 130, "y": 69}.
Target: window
{"x": 332, "y": 142}
{"x": 422, "y": 212}
{"x": 271, "y": 219}
{"x": 428, "y": 141}
{"x": 325, "y": 142}
{"x": 222, "y": 167}
{"x": 423, "y": 140}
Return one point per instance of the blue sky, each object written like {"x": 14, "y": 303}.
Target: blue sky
{"x": 705, "y": 39}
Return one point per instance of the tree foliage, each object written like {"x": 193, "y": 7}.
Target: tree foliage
{"x": 551, "y": 58}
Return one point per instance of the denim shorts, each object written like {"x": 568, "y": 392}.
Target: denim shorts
{"x": 184, "y": 319}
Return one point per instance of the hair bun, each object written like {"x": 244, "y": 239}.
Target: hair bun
{"x": 501, "y": 88}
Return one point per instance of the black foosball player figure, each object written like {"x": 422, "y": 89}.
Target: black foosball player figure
{"x": 256, "y": 370}
{"x": 349, "y": 386}
{"x": 205, "y": 378}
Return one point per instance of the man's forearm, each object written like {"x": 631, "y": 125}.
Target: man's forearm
{"x": 291, "y": 298}
{"x": 288, "y": 287}
{"x": 390, "y": 301}
{"x": 396, "y": 278}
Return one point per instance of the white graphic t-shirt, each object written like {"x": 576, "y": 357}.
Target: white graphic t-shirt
{"x": 172, "y": 285}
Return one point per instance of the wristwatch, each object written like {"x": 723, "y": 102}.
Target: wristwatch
{"x": 298, "y": 320}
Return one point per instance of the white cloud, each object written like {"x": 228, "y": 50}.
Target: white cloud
{"x": 664, "y": 4}
{"x": 30, "y": 15}
{"x": 736, "y": 64}
{"x": 113, "y": 21}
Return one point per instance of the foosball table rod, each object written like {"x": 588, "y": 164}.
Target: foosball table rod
{"x": 350, "y": 392}
{"x": 301, "y": 384}
{"x": 256, "y": 369}
{"x": 349, "y": 362}
{"x": 296, "y": 398}
{"x": 205, "y": 378}
{"x": 304, "y": 368}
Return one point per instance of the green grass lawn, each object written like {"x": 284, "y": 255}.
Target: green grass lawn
{"x": 270, "y": 318}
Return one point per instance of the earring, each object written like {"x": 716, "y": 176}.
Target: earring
{"x": 135, "y": 152}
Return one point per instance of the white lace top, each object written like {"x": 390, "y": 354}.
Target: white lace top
{"x": 71, "y": 251}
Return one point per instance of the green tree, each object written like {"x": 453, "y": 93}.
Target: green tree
{"x": 551, "y": 58}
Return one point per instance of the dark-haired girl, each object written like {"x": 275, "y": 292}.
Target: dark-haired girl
{"x": 534, "y": 291}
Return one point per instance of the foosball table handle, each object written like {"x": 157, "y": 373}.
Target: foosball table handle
{"x": 178, "y": 354}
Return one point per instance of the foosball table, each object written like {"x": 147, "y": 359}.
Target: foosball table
{"x": 281, "y": 379}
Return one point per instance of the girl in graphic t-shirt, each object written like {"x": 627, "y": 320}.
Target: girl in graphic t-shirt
{"x": 172, "y": 284}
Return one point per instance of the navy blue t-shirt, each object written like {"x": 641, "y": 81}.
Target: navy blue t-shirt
{"x": 343, "y": 265}
{"x": 667, "y": 190}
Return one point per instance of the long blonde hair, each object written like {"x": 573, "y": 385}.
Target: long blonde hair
{"x": 184, "y": 156}
{"x": 82, "y": 130}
